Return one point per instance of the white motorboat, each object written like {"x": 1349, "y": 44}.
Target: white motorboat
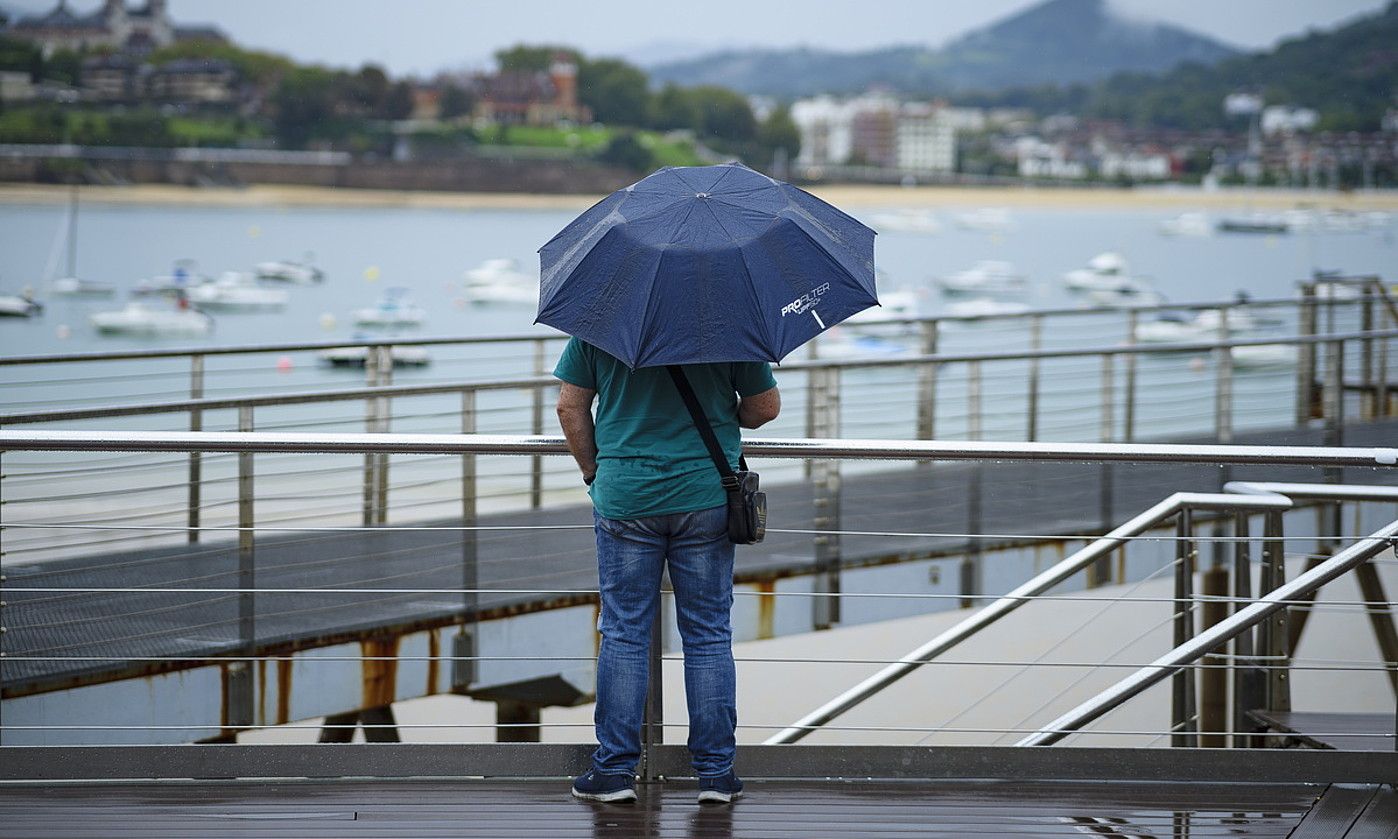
{"x": 140, "y": 319}
{"x": 22, "y": 305}
{"x": 1129, "y": 296}
{"x": 985, "y": 277}
{"x": 986, "y": 220}
{"x": 1187, "y": 224}
{"x": 1104, "y": 272}
{"x": 393, "y": 309}
{"x": 1169, "y": 329}
{"x": 1254, "y": 223}
{"x": 356, "y": 356}
{"x": 501, "y": 281}
{"x": 290, "y": 271}
{"x": 906, "y": 221}
{"x": 236, "y": 292}
{"x": 1264, "y": 355}
{"x": 985, "y": 307}
{"x": 893, "y": 305}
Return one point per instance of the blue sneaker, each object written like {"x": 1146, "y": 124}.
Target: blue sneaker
{"x": 594, "y": 786}
{"x": 720, "y": 789}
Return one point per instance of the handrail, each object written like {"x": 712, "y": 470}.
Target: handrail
{"x": 1210, "y": 639}
{"x": 506, "y": 444}
{"x": 1061, "y": 571}
{"x": 1327, "y": 492}
{"x": 126, "y": 355}
{"x": 347, "y": 394}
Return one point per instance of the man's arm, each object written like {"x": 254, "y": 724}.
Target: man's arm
{"x": 759, "y": 409}
{"x": 575, "y": 417}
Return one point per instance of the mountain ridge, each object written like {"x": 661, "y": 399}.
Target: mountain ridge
{"x": 1057, "y": 41}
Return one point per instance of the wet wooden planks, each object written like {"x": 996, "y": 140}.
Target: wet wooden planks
{"x": 772, "y": 809}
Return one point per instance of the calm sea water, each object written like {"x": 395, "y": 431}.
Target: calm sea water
{"x": 426, "y": 251}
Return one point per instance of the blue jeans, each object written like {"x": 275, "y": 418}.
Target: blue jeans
{"x": 631, "y": 554}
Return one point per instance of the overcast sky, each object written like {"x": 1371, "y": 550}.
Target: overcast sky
{"x": 422, "y": 36}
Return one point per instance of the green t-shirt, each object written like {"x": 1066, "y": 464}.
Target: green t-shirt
{"x": 651, "y": 460}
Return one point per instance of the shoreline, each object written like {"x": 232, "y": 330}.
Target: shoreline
{"x": 856, "y": 196}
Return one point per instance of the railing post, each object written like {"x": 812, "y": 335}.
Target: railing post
{"x": 1381, "y": 375}
{"x": 1247, "y": 679}
{"x": 825, "y": 605}
{"x": 970, "y": 582}
{"x": 1223, "y": 383}
{"x": 1213, "y": 678}
{"x": 240, "y": 679}
{"x": 196, "y": 423}
{"x": 1335, "y": 394}
{"x": 385, "y": 411}
{"x": 1273, "y": 640}
{"x": 1100, "y": 572}
{"x": 927, "y": 383}
{"x": 463, "y": 665}
{"x": 653, "y": 726}
{"x": 1183, "y": 723}
{"x": 1128, "y": 425}
{"x": 1368, "y": 402}
{"x": 1306, "y": 356}
{"x": 371, "y": 409}
{"x": 3, "y": 631}
{"x": 1036, "y": 329}
{"x": 536, "y": 464}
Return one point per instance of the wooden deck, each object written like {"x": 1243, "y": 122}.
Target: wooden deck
{"x": 540, "y": 809}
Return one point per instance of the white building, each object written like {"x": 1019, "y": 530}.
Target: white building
{"x": 926, "y": 141}
{"x": 15, "y": 86}
{"x": 827, "y": 130}
{"x": 1038, "y": 159}
{"x": 1284, "y": 119}
{"x": 1136, "y": 166}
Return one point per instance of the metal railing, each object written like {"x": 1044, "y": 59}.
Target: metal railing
{"x": 1277, "y": 596}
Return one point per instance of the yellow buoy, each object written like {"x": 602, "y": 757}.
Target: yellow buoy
{"x": 371, "y": 274}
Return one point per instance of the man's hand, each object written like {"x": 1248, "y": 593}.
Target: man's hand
{"x": 575, "y": 417}
{"x": 759, "y": 409}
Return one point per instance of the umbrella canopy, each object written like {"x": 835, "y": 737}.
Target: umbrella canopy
{"x": 705, "y": 264}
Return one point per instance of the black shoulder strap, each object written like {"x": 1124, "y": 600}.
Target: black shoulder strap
{"x": 701, "y": 422}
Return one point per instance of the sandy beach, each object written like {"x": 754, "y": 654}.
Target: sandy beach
{"x": 849, "y": 196}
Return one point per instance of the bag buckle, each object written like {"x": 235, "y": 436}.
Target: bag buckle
{"x": 730, "y": 482}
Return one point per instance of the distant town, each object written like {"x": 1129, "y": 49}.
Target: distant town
{"x": 127, "y": 94}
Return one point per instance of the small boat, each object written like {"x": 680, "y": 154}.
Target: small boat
{"x": 393, "y": 309}
{"x": 290, "y": 271}
{"x": 906, "y": 221}
{"x": 1187, "y": 224}
{"x": 140, "y": 319}
{"x": 355, "y": 356}
{"x": 236, "y": 292}
{"x": 501, "y": 281}
{"x": 986, "y": 220}
{"x": 1254, "y": 223}
{"x": 22, "y": 305}
{"x": 893, "y": 306}
{"x": 74, "y": 287}
{"x": 1131, "y": 296}
{"x": 985, "y": 277}
{"x": 184, "y": 276}
{"x": 1169, "y": 329}
{"x": 1104, "y": 272}
{"x": 985, "y": 307}
{"x": 1264, "y": 355}
{"x": 69, "y": 285}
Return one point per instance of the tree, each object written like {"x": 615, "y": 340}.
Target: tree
{"x": 674, "y": 108}
{"x": 398, "y": 104}
{"x": 456, "y": 101}
{"x": 368, "y": 90}
{"x": 626, "y": 152}
{"x": 64, "y": 66}
{"x": 305, "y": 103}
{"x": 724, "y": 116}
{"x": 534, "y": 59}
{"x": 616, "y": 92}
{"x": 779, "y": 131}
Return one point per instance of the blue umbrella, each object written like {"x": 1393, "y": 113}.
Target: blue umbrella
{"x": 705, "y": 264}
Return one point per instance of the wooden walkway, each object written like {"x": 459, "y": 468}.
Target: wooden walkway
{"x": 771, "y": 810}
{"x": 1017, "y": 498}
